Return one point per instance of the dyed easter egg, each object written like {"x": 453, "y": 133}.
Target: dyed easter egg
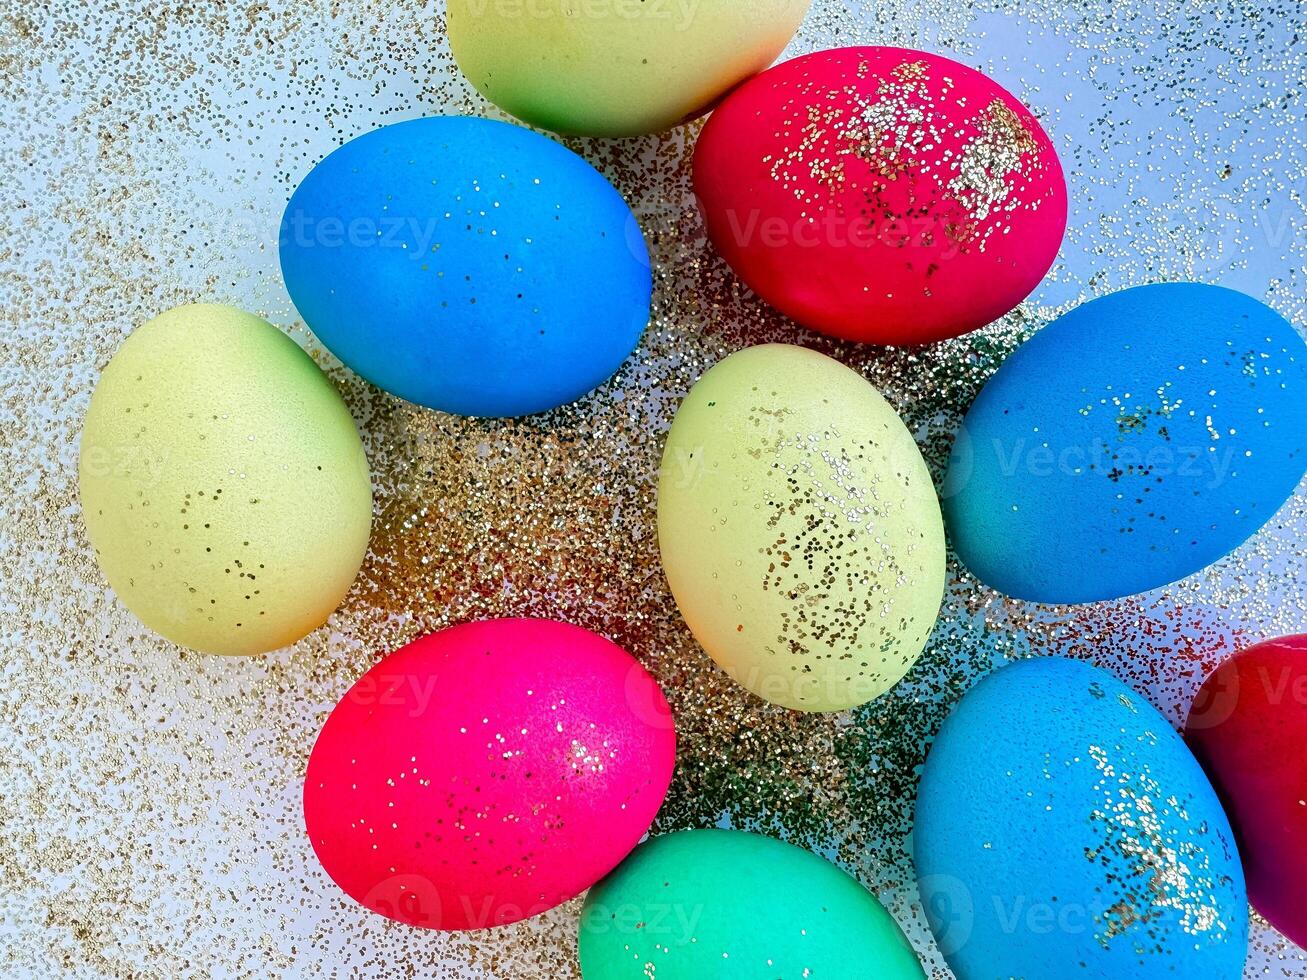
{"x": 488, "y": 772}
{"x": 223, "y": 484}
{"x": 467, "y": 265}
{"x": 1132, "y": 442}
{"x": 1248, "y": 727}
{"x": 1063, "y": 830}
{"x": 799, "y": 529}
{"x": 881, "y": 195}
{"x": 734, "y": 906}
{"x": 615, "y": 67}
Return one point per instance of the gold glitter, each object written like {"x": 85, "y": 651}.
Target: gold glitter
{"x": 149, "y": 798}
{"x": 1151, "y": 855}
{"x": 910, "y": 71}
{"x": 895, "y": 132}
{"x": 988, "y": 160}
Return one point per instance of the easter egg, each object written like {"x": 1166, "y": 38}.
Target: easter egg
{"x": 736, "y": 906}
{"x": 880, "y": 194}
{"x": 615, "y": 67}
{"x": 1248, "y": 728}
{"x": 223, "y": 484}
{"x": 467, "y": 265}
{"x": 799, "y": 529}
{"x": 487, "y": 773}
{"x": 1128, "y": 444}
{"x": 1063, "y": 830}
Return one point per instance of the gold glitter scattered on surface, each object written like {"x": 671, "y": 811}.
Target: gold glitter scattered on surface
{"x": 150, "y": 817}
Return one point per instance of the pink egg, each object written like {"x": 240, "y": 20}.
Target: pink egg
{"x": 486, "y": 773}
{"x": 1248, "y": 728}
{"x": 881, "y": 194}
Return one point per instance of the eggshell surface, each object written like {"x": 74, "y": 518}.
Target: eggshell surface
{"x": 223, "y": 484}
{"x": 881, "y": 194}
{"x": 467, "y": 265}
{"x": 737, "y": 906}
{"x": 1128, "y": 444}
{"x": 488, "y": 772}
{"x": 1248, "y": 728}
{"x": 1064, "y": 830}
{"x": 616, "y": 67}
{"x": 799, "y": 529}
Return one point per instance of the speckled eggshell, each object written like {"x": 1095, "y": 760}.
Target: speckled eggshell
{"x": 1064, "y": 830}
{"x": 1248, "y": 728}
{"x": 467, "y": 265}
{"x": 881, "y": 194}
{"x": 729, "y": 905}
{"x": 799, "y": 529}
{"x": 1128, "y": 444}
{"x": 488, "y": 772}
{"x": 223, "y": 483}
{"x": 615, "y": 67}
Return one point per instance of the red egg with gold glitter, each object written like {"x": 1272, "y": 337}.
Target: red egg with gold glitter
{"x": 1248, "y": 728}
{"x": 881, "y": 194}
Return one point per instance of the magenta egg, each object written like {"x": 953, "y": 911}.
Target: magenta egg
{"x": 487, "y": 773}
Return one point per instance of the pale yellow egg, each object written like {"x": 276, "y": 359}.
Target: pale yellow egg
{"x": 223, "y": 482}
{"x": 800, "y": 530}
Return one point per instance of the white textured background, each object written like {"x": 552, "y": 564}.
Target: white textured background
{"x": 150, "y": 822}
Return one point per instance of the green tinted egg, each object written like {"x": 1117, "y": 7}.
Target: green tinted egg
{"x": 799, "y": 528}
{"x": 726, "y": 905}
{"x": 223, "y": 483}
{"x": 615, "y": 67}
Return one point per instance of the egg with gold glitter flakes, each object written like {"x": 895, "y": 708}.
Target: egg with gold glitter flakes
{"x": 1064, "y": 830}
{"x": 880, "y": 194}
{"x": 615, "y": 67}
{"x": 486, "y": 773}
{"x": 730, "y": 905}
{"x": 799, "y": 529}
{"x": 1129, "y": 443}
{"x": 223, "y": 483}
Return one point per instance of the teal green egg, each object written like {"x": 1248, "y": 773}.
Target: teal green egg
{"x": 729, "y": 905}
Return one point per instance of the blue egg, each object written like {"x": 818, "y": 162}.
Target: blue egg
{"x": 467, "y": 265}
{"x": 1130, "y": 443}
{"x": 1064, "y": 830}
